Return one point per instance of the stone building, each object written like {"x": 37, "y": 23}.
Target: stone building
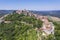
{"x": 19, "y": 11}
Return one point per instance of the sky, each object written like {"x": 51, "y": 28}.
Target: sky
{"x": 30, "y": 4}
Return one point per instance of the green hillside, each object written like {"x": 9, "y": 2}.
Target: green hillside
{"x": 57, "y": 29}
{"x": 21, "y": 27}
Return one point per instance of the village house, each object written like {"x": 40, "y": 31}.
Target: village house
{"x": 47, "y": 27}
{"x": 7, "y": 21}
{"x": 19, "y": 11}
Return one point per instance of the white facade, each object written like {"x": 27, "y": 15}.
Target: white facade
{"x": 48, "y": 30}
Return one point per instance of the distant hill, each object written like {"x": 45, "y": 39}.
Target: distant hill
{"x": 55, "y": 13}
{"x": 3, "y": 12}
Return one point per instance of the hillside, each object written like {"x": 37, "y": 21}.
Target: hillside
{"x": 19, "y": 27}
{"x": 23, "y": 25}
{"x": 57, "y": 28}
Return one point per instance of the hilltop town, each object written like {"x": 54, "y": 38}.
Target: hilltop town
{"x": 47, "y": 27}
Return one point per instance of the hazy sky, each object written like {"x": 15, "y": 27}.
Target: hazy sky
{"x": 30, "y": 4}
